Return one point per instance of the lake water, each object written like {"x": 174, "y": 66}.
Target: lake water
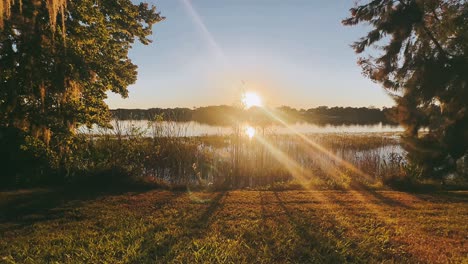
{"x": 189, "y": 129}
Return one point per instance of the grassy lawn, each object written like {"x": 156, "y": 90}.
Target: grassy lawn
{"x": 41, "y": 226}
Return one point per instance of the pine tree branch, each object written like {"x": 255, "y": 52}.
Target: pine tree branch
{"x": 430, "y": 35}
{"x": 436, "y": 43}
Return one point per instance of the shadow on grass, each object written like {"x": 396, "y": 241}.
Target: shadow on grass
{"x": 263, "y": 209}
{"x": 445, "y": 197}
{"x": 370, "y": 246}
{"x": 24, "y": 208}
{"x": 203, "y": 221}
{"x": 378, "y": 196}
{"x": 156, "y": 250}
{"x": 320, "y": 243}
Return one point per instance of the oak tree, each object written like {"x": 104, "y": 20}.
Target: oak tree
{"x": 58, "y": 60}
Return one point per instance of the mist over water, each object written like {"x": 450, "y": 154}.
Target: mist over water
{"x": 193, "y": 129}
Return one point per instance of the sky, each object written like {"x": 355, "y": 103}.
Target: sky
{"x": 208, "y": 52}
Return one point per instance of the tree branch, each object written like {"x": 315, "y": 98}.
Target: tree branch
{"x": 438, "y": 46}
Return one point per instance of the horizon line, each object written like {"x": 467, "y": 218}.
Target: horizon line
{"x": 225, "y": 105}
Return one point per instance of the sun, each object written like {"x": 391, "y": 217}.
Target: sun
{"x": 250, "y": 99}
{"x": 250, "y": 131}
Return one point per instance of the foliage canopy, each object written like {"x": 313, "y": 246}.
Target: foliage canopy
{"x": 422, "y": 61}
{"x": 57, "y": 63}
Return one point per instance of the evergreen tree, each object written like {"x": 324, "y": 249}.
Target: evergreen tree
{"x": 418, "y": 51}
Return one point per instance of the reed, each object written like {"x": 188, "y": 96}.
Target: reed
{"x": 164, "y": 152}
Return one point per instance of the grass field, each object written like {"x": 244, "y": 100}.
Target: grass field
{"x": 234, "y": 227}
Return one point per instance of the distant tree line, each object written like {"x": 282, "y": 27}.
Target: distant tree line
{"x": 226, "y": 115}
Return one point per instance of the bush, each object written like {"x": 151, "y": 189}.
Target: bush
{"x": 25, "y": 160}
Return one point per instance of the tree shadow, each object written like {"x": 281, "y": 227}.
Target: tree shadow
{"x": 263, "y": 209}
{"x": 352, "y": 214}
{"x": 203, "y": 221}
{"x": 359, "y": 187}
{"x": 326, "y": 247}
{"x": 374, "y": 219}
{"x": 398, "y": 222}
{"x": 21, "y": 209}
{"x": 444, "y": 197}
{"x": 156, "y": 251}
{"x": 160, "y": 203}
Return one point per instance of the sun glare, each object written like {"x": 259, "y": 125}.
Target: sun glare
{"x": 250, "y": 99}
{"x": 250, "y": 131}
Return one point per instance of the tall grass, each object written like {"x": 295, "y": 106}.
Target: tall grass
{"x": 163, "y": 153}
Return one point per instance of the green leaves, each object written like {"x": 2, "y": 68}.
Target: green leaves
{"x": 50, "y": 83}
{"x": 76, "y": 73}
{"x": 422, "y": 59}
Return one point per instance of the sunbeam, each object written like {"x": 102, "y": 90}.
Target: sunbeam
{"x": 211, "y": 41}
{"x": 208, "y": 37}
{"x": 299, "y": 173}
{"x": 317, "y": 146}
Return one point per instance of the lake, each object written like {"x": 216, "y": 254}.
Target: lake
{"x": 190, "y": 129}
